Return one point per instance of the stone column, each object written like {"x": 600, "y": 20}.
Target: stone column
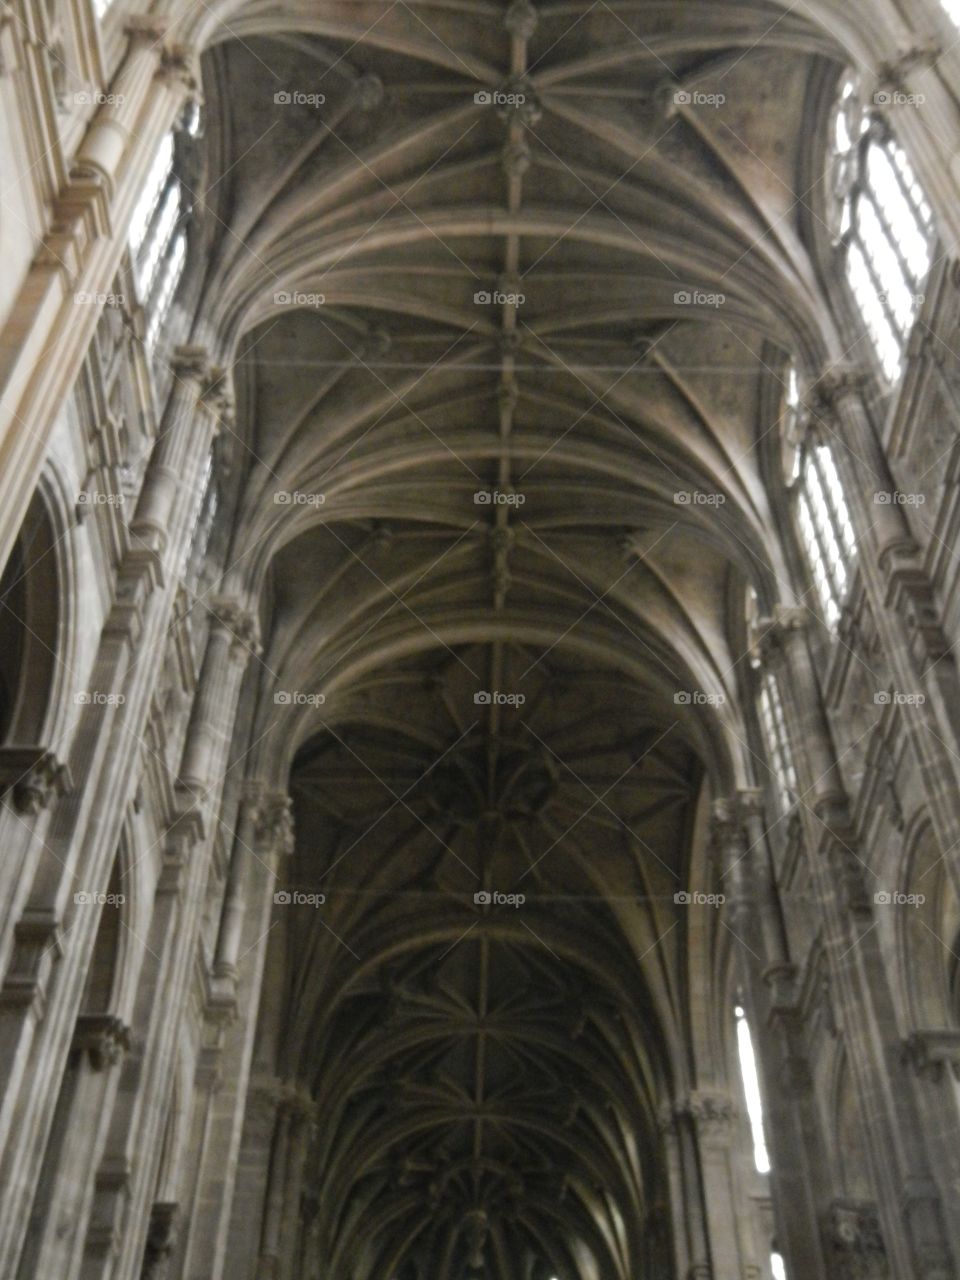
{"x": 232, "y": 640}
{"x": 264, "y": 835}
{"x": 914, "y": 1226}
{"x": 901, "y": 597}
{"x": 793, "y": 1128}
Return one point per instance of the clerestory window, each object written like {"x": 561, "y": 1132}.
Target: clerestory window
{"x": 884, "y": 224}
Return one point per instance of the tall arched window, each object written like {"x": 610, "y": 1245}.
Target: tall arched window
{"x": 772, "y": 719}
{"x": 884, "y": 224}
{"x": 822, "y": 512}
{"x": 158, "y": 236}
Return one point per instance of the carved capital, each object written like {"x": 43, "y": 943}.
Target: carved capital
{"x": 825, "y": 395}
{"x": 713, "y": 1115}
{"x": 191, "y": 362}
{"x": 240, "y": 622}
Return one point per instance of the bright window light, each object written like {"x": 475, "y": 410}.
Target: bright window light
{"x": 751, "y": 1089}
{"x": 885, "y": 223}
{"x": 777, "y": 1269}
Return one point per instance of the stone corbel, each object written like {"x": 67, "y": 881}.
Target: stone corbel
{"x": 271, "y": 813}
{"x": 161, "y": 1238}
{"x": 910, "y": 594}
{"x": 931, "y": 1052}
{"x": 825, "y": 395}
{"x": 37, "y": 945}
{"x": 854, "y": 1241}
{"x": 179, "y": 63}
{"x": 241, "y": 623}
{"x": 102, "y": 1038}
{"x": 892, "y": 73}
{"x": 33, "y": 776}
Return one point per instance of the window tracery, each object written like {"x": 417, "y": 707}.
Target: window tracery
{"x": 884, "y": 224}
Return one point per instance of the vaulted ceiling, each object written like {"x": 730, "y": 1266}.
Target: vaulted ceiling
{"x": 463, "y": 517}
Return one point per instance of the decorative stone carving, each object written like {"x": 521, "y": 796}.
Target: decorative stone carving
{"x": 241, "y": 622}
{"x": 271, "y": 813}
{"x": 521, "y": 19}
{"x": 520, "y": 102}
{"x": 34, "y": 776}
{"x": 515, "y": 158}
{"x": 161, "y": 1239}
{"x": 101, "y": 1038}
{"x": 930, "y": 1053}
{"x": 37, "y": 945}
{"x": 854, "y": 1241}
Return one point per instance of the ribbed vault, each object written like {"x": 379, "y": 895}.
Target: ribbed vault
{"x": 463, "y": 517}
